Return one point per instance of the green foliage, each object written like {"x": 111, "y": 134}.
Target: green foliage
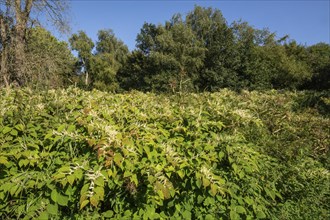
{"x": 319, "y": 61}
{"x": 49, "y": 62}
{"x": 99, "y": 68}
{"x": 110, "y": 55}
{"x": 72, "y": 154}
{"x": 173, "y": 57}
{"x": 201, "y": 52}
{"x": 82, "y": 44}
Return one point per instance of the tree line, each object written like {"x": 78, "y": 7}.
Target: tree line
{"x": 193, "y": 53}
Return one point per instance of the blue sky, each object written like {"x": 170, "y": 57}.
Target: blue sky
{"x": 305, "y": 21}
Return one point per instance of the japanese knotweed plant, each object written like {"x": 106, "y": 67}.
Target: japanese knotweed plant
{"x": 73, "y": 154}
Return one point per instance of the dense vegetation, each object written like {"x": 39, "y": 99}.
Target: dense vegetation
{"x": 73, "y": 154}
{"x": 196, "y": 53}
{"x": 236, "y": 127}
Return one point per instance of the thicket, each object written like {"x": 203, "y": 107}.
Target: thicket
{"x": 194, "y": 53}
{"x": 73, "y": 154}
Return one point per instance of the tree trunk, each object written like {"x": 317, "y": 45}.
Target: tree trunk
{"x": 19, "y": 53}
{"x": 4, "y": 66}
{"x": 22, "y": 16}
{"x": 4, "y": 53}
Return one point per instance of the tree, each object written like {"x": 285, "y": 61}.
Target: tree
{"x": 211, "y": 28}
{"x": 101, "y": 67}
{"x": 131, "y": 74}
{"x": 146, "y": 39}
{"x": 169, "y": 57}
{"x": 110, "y": 55}
{"x": 280, "y": 70}
{"x": 81, "y": 43}
{"x": 15, "y": 18}
{"x": 318, "y": 58}
{"x": 202, "y": 52}
{"x": 48, "y": 61}
{"x": 6, "y": 23}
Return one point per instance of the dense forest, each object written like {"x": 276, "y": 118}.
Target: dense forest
{"x": 202, "y": 120}
{"x": 195, "y": 53}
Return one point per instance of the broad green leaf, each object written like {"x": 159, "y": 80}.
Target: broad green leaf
{"x": 200, "y": 199}
{"x": 6, "y": 130}
{"x": 14, "y": 132}
{"x": 221, "y": 155}
{"x": 84, "y": 188}
{"x": 23, "y": 162}
{"x": 186, "y": 215}
{"x": 248, "y": 200}
{"x": 48, "y": 135}
{"x": 78, "y": 174}
{"x": 31, "y": 184}
{"x": 13, "y": 189}
{"x": 53, "y": 195}
{"x": 71, "y": 128}
{"x": 270, "y": 193}
{"x": 180, "y": 173}
{"x": 260, "y": 214}
{"x": 198, "y": 183}
{"x": 240, "y": 209}
{"x": 99, "y": 181}
{"x": 52, "y": 209}
{"x": 107, "y": 214}
{"x": 62, "y": 200}
{"x": 61, "y": 128}
{"x": 59, "y": 176}
{"x": 64, "y": 169}
{"x": 209, "y": 217}
{"x": 71, "y": 179}
{"x": 43, "y": 216}
{"x": 19, "y": 127}
{"x": 134, "y": 179}
{"x": 234, "y": 215}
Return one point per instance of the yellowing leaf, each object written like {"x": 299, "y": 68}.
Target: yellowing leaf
{"x": 94, "y": 200}
{"x": 118, "y": 159}
{"x": 213, "y": 189}
{"x": 99, "y": 192}
{"x": 83, "y": 204}
{"x": 206, "y": 182}
{"x": 3, "y": 160}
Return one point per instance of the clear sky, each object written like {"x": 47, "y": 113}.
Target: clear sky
{"x": 306, "y": 21}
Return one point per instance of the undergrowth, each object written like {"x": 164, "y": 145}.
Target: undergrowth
{"x": 72, "y": 154}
